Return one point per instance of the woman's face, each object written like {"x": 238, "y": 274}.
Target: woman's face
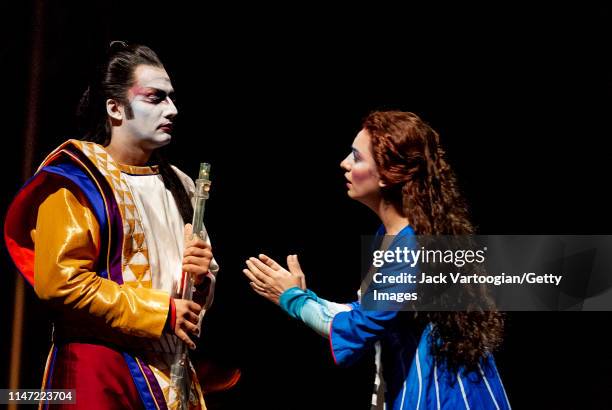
{"x": 361, "y": 173}
{"x": 152, "y": 106}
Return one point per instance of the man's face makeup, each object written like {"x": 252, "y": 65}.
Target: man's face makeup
{"x": 151, "y": 95}
{"x": 151, "y": 110}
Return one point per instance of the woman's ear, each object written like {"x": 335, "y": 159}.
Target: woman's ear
{"x": 381, "y": 183}
{"x": 113, "y": 109}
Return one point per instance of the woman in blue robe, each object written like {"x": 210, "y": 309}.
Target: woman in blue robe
{"x": 424, "y": 360}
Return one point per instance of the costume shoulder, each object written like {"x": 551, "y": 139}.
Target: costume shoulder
{"x": 185, "y": 179}
{"x": 63, "y": 168}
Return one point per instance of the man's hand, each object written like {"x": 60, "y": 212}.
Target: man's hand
{"x": 197, "y": 256}
{"x": 186, "y": 320}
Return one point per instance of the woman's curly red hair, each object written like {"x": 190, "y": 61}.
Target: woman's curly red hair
{"x": 422, "y": 186}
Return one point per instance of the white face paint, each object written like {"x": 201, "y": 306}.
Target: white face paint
{"x": 153, "y": 109}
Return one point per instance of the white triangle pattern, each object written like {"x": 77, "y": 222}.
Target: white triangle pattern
{"x": 139, "y": 259}
{"x": 132, "y": 253}
{"x": 128, "y": 275}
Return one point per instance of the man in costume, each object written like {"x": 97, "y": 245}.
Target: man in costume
{"x": 100, "y": 233}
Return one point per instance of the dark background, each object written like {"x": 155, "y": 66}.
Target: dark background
{"x": 273, "y": 98}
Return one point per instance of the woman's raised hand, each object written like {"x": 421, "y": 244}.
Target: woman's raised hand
{"x": 269, "y": 279}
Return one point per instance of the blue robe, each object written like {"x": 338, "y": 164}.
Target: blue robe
{"x": 414, "y": 380}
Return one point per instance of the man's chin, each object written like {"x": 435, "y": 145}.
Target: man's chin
{"x": 159, "y": 141}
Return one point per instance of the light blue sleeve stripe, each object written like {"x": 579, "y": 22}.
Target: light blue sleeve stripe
{"x": 306, "y": 306}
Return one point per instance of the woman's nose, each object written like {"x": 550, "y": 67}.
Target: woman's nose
{"x": 345, "y": 163}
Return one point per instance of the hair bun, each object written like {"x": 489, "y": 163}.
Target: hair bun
{"x": 117, "y": 45}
